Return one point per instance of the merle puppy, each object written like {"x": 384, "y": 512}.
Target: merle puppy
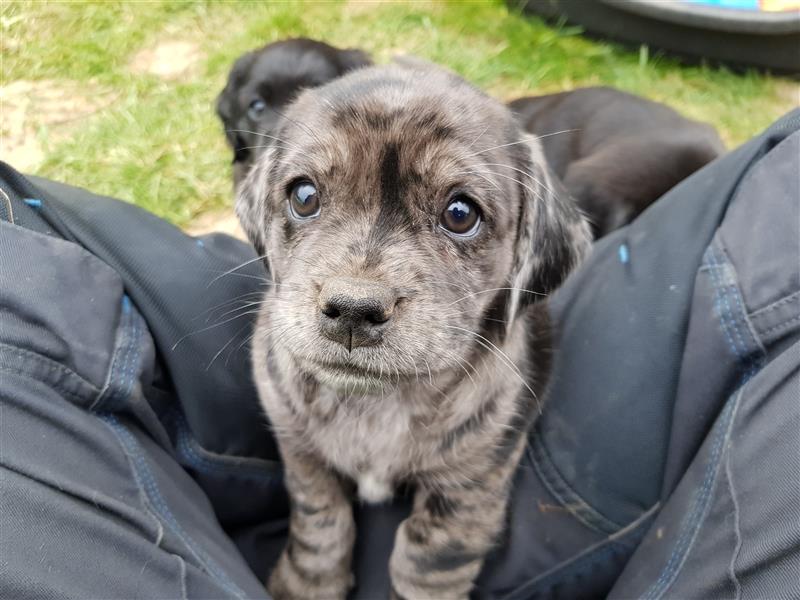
{"x": 263, "y": 82}
{"x": 411, "y": 229}
{"x": 618, "y": 153}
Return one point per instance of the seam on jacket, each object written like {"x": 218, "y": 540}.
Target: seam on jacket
{"x": 722, "y": 289}
{"x": 120, "y": 348}
{"x": 148, "y": 483}
{"x": 724, "y": 310}
{"x": 122, "y": 377}
{"x": 735, "y": 292}
{"x": 41, "y": 368}
{"x": 206, "y": 460}
{"x": 782, "y": 325}
{"x": 763, "y": 312}
{"x": 150, "y": 512}
{"x": 56, "y": 387}
{"x": 624, "y": 539}
{"x": 120, "y": 382}
{"x": 44, "y": 360}
{"x": 700, "y": 505}
{"x": 717, "y": 301}
{"x": 89, "y": 503}
{"x": 129, "y": 371}
{"x": 737, "y": 530}
{"x": 9, "y": 207}
{"x": 182, "y": 573}
{"x": 564, "y": 493}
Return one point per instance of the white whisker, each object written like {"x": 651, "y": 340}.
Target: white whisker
{"x": 234, "y": 269}
{"x": 504, "y": 359}
{"x": 522, "y": 141}
{"x": 500, "y": 289}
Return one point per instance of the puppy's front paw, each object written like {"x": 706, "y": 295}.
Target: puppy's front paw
{"x": 293, "y": 581}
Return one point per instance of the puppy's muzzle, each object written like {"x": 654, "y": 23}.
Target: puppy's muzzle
{"x": 355, "y": 312}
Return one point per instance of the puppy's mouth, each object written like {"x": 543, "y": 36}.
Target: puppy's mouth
{"x": 347, "y": 369}
{"x": 241, "y": 154}
{"x": 351, "y": 377}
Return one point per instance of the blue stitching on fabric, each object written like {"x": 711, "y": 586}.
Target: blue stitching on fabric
{"x": 123, "y": 350}
{"x": 25, "y": 362}
{"x": 746, "y": 359}
{"x": 697, "y": 511}
{"x": 128, "y": 370}
{"x": 725, "y": 315}
{"x": 741, "y": 319}
{"x": 750, "y": 366}
{"x": 157, "y": 500}
{"x": 136, "y": 338}
{"x": 79, "y": 398}
{"x": 132, "y": 361}
{"x": 724, "y": 290}
{"x": 204, "y": 463}
{"x": 134, "y": 329}
{"x": 781, "y": 325}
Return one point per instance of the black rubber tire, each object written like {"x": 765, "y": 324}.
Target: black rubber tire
{"x": 740, "y": 39}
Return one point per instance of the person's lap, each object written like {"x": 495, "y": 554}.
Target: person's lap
{"x": 122, "y": 477}
{"x": 93, "y": 505}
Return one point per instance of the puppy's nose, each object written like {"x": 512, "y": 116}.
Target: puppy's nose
{"x": 355, "y": 312}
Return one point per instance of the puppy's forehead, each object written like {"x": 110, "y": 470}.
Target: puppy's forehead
{"x": 403, "y": 106}
{"x": 292, "y": 61}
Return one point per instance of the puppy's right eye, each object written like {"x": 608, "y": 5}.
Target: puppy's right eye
{"x": 304, "y": 200}
{"x": 462, "y": 217}
{"x": 256, "y": 109}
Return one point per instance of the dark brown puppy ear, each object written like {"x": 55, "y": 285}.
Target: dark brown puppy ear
{"x": 252, "y": 206}
{"x": 224, "y": 108}
{"x": 553, "y": 236}
{"x": 353, "y": 58}
{"x": 236, "y": 76}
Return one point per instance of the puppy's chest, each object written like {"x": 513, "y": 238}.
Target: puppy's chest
{"x": 375, "y": 446}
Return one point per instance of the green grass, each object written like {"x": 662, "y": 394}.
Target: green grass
{"x": 159, "y": 143}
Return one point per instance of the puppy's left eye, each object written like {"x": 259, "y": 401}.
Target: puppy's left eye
{"x": 304, "y": 200}
{"x": 256, "y": 109}
{"x": 462, "y": 216}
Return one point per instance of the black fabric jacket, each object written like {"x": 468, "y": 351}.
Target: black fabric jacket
{"x": 668, "y": 318}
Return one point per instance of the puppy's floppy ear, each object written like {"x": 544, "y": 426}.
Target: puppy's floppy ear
{"x": 353, "y": 58}
{"x": 236, "y": 77}
{"x": 553, "y": 236}
{"x": 224, "y": 108}
{"x": 252, "y": 206}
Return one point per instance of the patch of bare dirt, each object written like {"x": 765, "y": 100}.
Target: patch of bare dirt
{"x": 34, "y": 114}
{"x": 358, "y": 7}
{"x": 223, "y": 221}
{"x": 790, "y": 92}
{"x": 172, "y": 59}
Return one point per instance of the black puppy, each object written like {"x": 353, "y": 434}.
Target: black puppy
{"x": 263, "y": 82}
{"x": 618, "y": 153}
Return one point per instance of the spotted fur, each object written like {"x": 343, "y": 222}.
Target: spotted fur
{"x": 446, "y": 399}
